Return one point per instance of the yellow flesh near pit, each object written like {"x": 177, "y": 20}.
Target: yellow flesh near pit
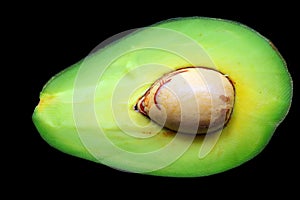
{"x": 263, "y": 95}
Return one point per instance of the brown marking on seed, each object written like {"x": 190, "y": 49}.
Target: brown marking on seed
{"x": 227, "y": 112}
{"x": 147, "y": 92}
{"x": 156, "y": 92}
{"x": 179, "y": 71}
{"x": 163, "y": 82}
{"x": 140, "y": 105}
{"x": 224, "y": 111}
{"x": 141, "y": 101}
{"x": 224, "y": 98}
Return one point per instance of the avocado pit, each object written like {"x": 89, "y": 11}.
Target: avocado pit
{"x": 194, "y": 100}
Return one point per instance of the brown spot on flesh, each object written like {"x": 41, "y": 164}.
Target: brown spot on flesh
{"x": 147, "y": 132}
{"x": 273, "y": 46}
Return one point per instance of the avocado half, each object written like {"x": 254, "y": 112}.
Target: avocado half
{"x": 87, "y": 110}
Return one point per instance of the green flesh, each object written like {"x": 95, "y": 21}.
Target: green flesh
{"x": 66, "y": 120}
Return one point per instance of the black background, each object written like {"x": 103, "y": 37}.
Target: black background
{"x": 48, "y": 38}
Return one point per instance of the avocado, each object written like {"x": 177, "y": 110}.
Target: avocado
{"x": 92, "y": 109}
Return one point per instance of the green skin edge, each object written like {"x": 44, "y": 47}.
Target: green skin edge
{"x": 263, "y": 97}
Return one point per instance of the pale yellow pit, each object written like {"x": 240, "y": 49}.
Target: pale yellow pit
{"x": 189, "y": 100}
